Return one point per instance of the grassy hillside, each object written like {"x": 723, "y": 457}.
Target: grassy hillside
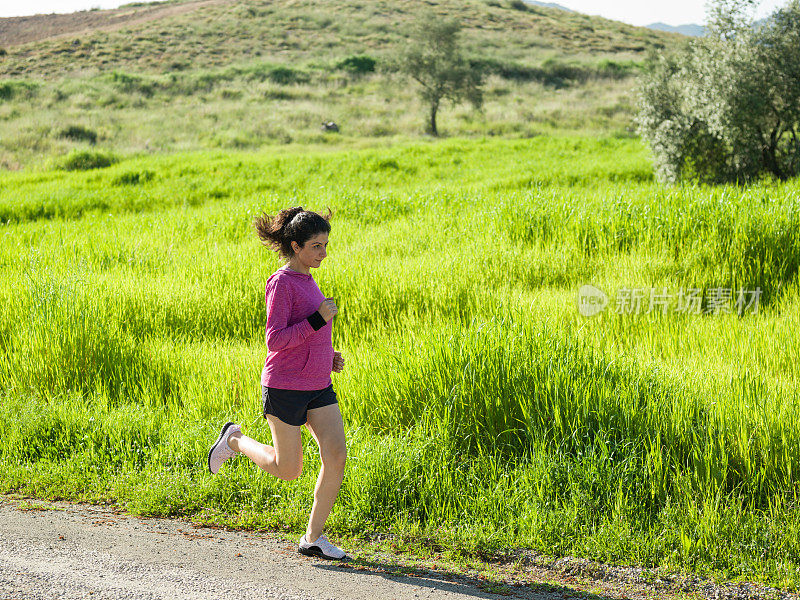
{"x": 208, "y": 34}
{"x": 249, "y": 73}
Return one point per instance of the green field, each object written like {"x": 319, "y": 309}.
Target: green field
{"x": 484, "y": 413}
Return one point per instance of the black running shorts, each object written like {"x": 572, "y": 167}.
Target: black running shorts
{"x": 292, "y": 406}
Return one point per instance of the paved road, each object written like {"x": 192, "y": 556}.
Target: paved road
{"x": 93, "y": 552}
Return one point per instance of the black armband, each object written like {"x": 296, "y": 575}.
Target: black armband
{"x": 317, "y": 321}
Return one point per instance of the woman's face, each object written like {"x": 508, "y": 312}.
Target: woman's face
{"x": 313, "y": 252}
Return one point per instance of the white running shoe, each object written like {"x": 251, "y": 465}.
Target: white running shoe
{"x": 321, "y": 548}
{"x": 220, "y": 451}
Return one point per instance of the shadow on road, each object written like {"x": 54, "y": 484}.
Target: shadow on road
{"x": 458, "y": 583}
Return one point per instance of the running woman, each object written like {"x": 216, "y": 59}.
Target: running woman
{"x": 296, "y": 379}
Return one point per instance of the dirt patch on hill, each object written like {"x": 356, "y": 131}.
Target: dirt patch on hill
{"x": 15, "y": 31}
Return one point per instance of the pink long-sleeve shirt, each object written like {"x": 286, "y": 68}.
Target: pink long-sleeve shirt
{"x": 298, "y": 357}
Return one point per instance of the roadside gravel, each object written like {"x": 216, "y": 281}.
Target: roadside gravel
{"x": 70, "y": 551}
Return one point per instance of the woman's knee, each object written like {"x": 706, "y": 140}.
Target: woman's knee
{"x": 335, "y": 456}
{"x": 289, "y": 470}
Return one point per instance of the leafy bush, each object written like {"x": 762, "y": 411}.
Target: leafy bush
{"x": 612, "y": 69}
{"x": 558, "y": 73}
{"x": 287, "y": 75}
{"x": 279, "y": 74}
{"x": 79, "y": 133}
{"x": 207, "y": 80}
{"x": 201, "y": 82}
{"x": 133, "y": 84}
{"x": 17, "y": 89}
{"x": 359, "y": 64}
{"x": 505, "y": 69}
{"x": 728, "y": 107}
{"x": 555, "y": 72}
{"x": 85, "y": 160}
{"x": 280, "y": 94}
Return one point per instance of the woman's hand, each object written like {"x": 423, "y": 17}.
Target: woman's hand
{"x": 328, "y": 309}
{"x": 338, "y": 362}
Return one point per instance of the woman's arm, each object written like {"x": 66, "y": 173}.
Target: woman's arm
{"x": 280, "y": 335}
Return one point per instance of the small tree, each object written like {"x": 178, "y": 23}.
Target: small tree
{"x": 435, "y": 60}
{"x": 728, "y": 107}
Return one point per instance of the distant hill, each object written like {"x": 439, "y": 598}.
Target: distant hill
{"x": 192, "y": 34}
{"x": 693, "y": 30}
{"x": 690, "y": 30}
{"x": 549, "y": 5}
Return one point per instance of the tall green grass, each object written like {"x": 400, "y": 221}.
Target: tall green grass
{"x": 482, "y": 411}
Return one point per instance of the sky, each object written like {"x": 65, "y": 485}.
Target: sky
{"x": 674, "y": 12}
{"x": 635, "y": 12}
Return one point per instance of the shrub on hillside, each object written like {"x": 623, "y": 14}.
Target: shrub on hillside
{"x": 287, "y": 75}
{"x": 199, "y": 82}
{"x": 11, "y": 88}
{"x": 79, "y": 133}
{"x": 207, "y": 80}
{"x": 358, "y": 64}
{"x": 279, "y": 74}
{"x": 612, "y": 69}
{"x": 558, "y": 73}
{"x": 554, "y": 72}
{"x": 133, "y": 84}
{"x": 85, "y": 160}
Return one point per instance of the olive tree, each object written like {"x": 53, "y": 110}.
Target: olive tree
{"x": 727, "y": 107}
{"x": 434, "y": 59}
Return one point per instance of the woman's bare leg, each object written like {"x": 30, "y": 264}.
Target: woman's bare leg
{"x": 325, "y": 424}
{"x": 284, "y": 459}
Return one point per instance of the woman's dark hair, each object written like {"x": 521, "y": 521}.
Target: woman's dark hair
{"x": 290, "y": 225}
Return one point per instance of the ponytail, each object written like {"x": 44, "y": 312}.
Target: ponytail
{"x": 290, "y": 225}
